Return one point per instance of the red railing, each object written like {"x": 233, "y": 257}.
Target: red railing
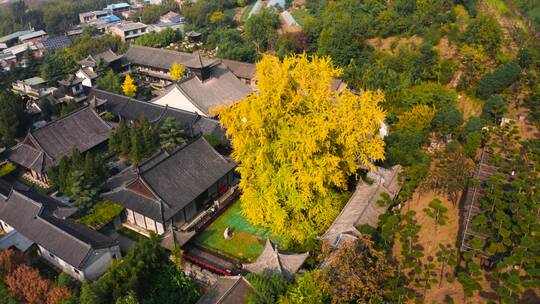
{"x": 207, "y": 266}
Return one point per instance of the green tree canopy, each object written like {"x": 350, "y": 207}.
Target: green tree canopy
{"x": 13, "y": 118}
{"x": 57, "y": 65}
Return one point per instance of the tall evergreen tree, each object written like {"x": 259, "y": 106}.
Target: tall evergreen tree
{"x": 124, "y": 138}
{"x": 171, "y": 134}
{"x": 137, "y": 147}
{"x": 114, "y": 142}
{"x": 82, "y": 190}
{"x": 13, "y": 118}
{"x": 32, "y": 64}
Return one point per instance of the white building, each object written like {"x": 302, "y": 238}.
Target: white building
{"x": 79, "y": 251}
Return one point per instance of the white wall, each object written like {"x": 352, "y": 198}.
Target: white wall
{"x": 87, "y": 82}
{"x": 99, "y": 262}
{"x": 144, "y": 222}
{"x": 64, "y": 266}
{"x": 176, "y": 99}
{"x": 7, "y": 228}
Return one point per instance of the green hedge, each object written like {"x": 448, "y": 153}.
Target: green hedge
{"x": 102, "y": 213}
{"x": 7, "y": 168}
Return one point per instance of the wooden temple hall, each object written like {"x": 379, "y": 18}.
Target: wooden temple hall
{"x": 42, "y": 148}
{"x": 172, "y": 192}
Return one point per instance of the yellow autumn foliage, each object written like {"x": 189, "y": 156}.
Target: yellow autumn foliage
{"x": 128, "y": 87}
{"x": 418, "y": 118}
{"x": 177, "y": 71}
{"x": 297, "y": 141}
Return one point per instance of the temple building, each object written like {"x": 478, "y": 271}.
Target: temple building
{"x": 155, "y": 64}
{"x": 81, "y": 252}
{"x": 82, "y": 129}
{"x": 171, "y": 191}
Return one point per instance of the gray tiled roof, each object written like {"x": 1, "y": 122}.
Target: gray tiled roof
{"x": 362, "y": 207}
{"x": 40, "y": 218}
{"x": 243, "y": 70}
{"x": 15, "y": 35}
{"x": 108, "y": 56}
{"x": 161, "y": 58}
{"x": 82, "y": 129}
{"x": 222, "y": 88}
{"x": 177, "y": 179}
{"x": 131, "y": 109}
{"x": 228, "y": 290}
{"x": 271, "y": 260}
{"x": 91, "y": 74}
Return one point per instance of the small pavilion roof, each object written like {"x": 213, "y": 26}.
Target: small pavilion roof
{"x": 271, "y": 260}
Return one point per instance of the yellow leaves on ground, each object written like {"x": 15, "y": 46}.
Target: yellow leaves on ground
{"x": 297, "y": 141}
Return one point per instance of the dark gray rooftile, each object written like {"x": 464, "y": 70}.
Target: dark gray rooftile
{"x": 36, "y": 216}
{"x": 228, "y": 290}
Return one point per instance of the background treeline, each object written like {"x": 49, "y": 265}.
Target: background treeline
{"x": 55, "y": 16}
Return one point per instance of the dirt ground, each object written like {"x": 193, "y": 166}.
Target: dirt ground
{"x": 446, "y": 49}
{"x": 527, "y": 128}
{"x": 430, "y": 237}
{"x": 387, "y": 43}
{"x": 469, "y": 106}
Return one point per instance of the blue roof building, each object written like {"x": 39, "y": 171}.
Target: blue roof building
{"x": 117, "y": 7}
{"x": 110, "y": 19}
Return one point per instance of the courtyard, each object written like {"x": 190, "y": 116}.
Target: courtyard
{"x": 247, "y": 240}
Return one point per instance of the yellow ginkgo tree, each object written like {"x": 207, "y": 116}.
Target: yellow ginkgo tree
{"x": 177, "y": 71}
{"x": 128, "y": 87}
{"x": 297, "y": 141}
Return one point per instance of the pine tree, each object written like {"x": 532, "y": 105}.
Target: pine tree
{"x": 124, "y": 139}
{"x": 437, "y": 212}
{"x": 82, "y": 190}
{"x": 171, "y": 134}
{"x": 32, "y": 64}
{"x": 136, "y": 144}
{"x": 129, "y": 88}
{"x": 90, "y": 169}
{"x": 63, "y": 173}
{"x": 114, "y": 142}
{"x": 148, "y": 141}
{"x": 102, "y": 67}
{"x": 76, "y": 159}
{"x": 13, "y": 118}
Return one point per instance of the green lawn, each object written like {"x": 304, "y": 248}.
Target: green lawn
{"x": 247, "y": 241}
